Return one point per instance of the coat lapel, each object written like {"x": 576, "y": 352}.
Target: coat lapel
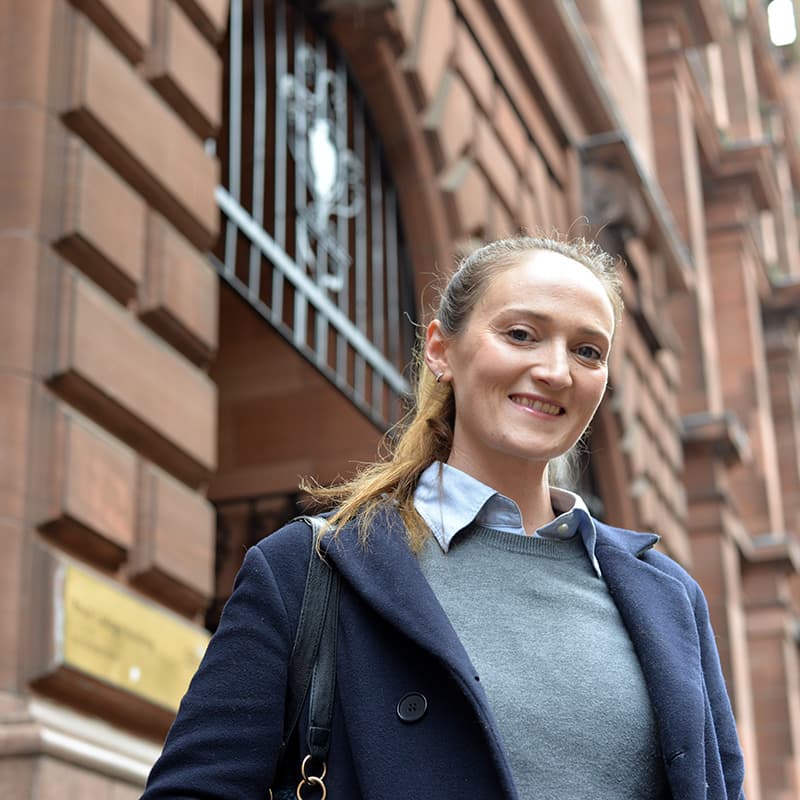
{"x": 658, "y": 614}
{"x": 387, "y": 577}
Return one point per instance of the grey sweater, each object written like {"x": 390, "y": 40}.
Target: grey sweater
{"x": 556, "y": 663}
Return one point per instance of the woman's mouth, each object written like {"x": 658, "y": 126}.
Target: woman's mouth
{"x": 538, "y": 405}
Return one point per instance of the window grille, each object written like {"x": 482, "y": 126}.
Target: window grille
{"x": 312, "y": 235}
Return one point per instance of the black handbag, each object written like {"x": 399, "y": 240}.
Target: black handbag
{"x": 312, "y": 668}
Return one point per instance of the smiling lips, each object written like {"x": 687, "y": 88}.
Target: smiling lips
{"x": 538, "y": 405}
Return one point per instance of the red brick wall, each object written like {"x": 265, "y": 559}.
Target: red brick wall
{"x": 109, "y": 316}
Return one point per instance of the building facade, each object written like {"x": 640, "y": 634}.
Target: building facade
{"x": 219, "y": 221}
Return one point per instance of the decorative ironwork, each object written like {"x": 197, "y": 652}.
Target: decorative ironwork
{"x": 316, "y": 103}
{"x": 313, "y": 240}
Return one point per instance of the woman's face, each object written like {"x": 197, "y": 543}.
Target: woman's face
{"x": 530, "y": 367}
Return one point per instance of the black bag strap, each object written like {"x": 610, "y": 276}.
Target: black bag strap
{"x": 312, "y": 663}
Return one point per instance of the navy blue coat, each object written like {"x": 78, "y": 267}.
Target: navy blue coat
{"x": 394, "y": 638}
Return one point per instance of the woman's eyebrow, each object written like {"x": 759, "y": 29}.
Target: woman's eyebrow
{"x": 540, "y": 316}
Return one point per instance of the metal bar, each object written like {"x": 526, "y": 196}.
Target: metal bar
{"x": 342, "y": 222}
{"x": 281, "y": 154}
{"x": 320, "y": 322}
{"x": 408, "y": 302}
{"x": 377, "y": 262}
{"x": 392, "y": 349}
{"x": 234, "y": 126}
{"x": 314, "y": 295}
{"x": 259, "y": 139}
{"x": 361, "y": 266}
{"x": 300, "y": 316}
{"x": 323, "y": 256}
{"x": 393, "y": 309}
{"x": 321, "y": 334}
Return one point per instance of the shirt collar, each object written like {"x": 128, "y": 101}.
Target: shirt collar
{"x": 449, "y": 500}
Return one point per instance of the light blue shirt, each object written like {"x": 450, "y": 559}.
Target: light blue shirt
{"x": 449, "y": 500}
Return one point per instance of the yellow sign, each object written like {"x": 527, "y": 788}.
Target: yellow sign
{"x": 117, "y": 638}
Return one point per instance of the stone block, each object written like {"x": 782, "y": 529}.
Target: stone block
{"x": 173, "y": 557}
{"x": 496, "y": 163}
{"x": 124, "y": 791}
{"x": 15, "y": 428}
{"x": 474, "y": 67}
{"x": 450, "y": 120}
{"x": 185, "y": 69}
{"x": 19, "y": 259}
{"x": 528, "y": 216}
{"x": 499, "y": 224}
{"x": 136, "y": 132}
{"x": 467, "y": 194}
{"x": 510, "y": 129}
{"x": 18, "y": 774}
{"x": 22, "y": 167}
{"x": 557, "y": 199}
{"x": 209, "y": 16}
{"x": 90, "y": 507}
{"x": 540, "y": 182}
{"x": 180, "y": 292}
{"x": 408, "y": 16}
{"x": 103, "y": 223}
{"x": 25, "y": 51}
{"x": 432, "y": 50}
{"x": 12, "y": 592}
{"x": 57, "y": 779}
{"x": 125, "y": 23}
{"x": 124, "y": 377}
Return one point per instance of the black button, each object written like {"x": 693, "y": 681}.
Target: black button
{"x": 412, "y": 707}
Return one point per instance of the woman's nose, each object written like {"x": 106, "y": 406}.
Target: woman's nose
{"x": 552, "y": 366}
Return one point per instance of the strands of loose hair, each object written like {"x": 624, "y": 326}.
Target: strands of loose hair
{"x": 422, "y": 437}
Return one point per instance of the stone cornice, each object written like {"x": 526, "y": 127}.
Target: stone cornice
{"x": 699, "y": 21}
{"x": 784, "y": 299}
{"x": 778, "y": 549}
{"x": 616, "y": 148}
{"x": 705, "y": 124}
{"x": 721, "y": 435}
{"x": 48, "y": 729}
{"x": 752, "y": 161}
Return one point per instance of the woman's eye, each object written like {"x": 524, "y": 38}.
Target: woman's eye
{"x": 590, "y": 352}
{"x": 519, "y": 335}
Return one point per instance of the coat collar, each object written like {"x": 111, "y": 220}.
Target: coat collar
{"x": 659, "y": 616}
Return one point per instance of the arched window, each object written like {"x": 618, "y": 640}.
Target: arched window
{"x": 312, "y": 236}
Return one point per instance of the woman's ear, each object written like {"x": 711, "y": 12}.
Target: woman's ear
{"x": 436, "y": 344}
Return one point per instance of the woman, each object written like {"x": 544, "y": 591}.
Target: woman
{"x": 546, "y": 655}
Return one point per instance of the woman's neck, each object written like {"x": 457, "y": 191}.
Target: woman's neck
{"x": 535, "y": 506}
{"x": 526, "y": 485}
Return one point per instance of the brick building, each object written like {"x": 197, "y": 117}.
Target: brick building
{"x": 217, "y": 218}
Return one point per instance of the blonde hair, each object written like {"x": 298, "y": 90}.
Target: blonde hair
{"x": 425, "y": 434}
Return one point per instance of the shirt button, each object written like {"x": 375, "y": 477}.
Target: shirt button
{"x": 563, "y": 527}
{"x": 412, "y": 707}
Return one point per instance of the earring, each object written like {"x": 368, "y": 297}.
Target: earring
{"x": 439, "y": 377}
